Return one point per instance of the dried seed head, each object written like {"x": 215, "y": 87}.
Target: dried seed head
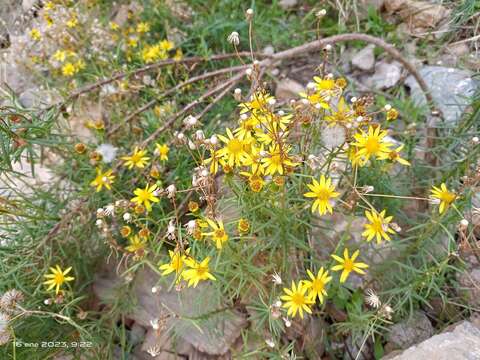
{"x": 321, "y": 13}
{"x": 237, "y": 94}
{"x": 10, "y": 299}
{"x": 249, "y": 14}
{"x": 234, "y": 38}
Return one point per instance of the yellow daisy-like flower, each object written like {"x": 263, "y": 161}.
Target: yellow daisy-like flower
{"x": 394, "y": 155}
{"x": 162, "y": 151}
{"x": 372, "y": 144}
{"x": 176, "y": 264}
{"x": 323, "y": 192}
{"x": 57, "y": 278}
{"x": 296, "y": 300}
{"x": 198, "y": 271}
{"x": 35, "y": 34}
{"x": 348, "y": 264}
{"x": 137, "y": 159}
{"x": 146, "y": 196}
{"x": 103, "y": 179}
{"x": 445, "y": 196}
{"x": 316, "y": 284}
{"x": 378, "y": 226}
{"x": 277, "y": 160}
{"x": 143, "y": 27}
{"x": 60, "y": 56}
{"x": 219, "y": 235}
{"x": 234, "y": 150}
{"x": 69, "y": 69}
{"x": 137, "y": 244}
{"x": 343, "y": 115}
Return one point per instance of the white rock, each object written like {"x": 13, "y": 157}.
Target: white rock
{"x": 288, "y": 89}
{"x": 462, "y": 343}
{"x": 386, "y": 75}
{"x": 287, "y": 4}
{"x": 365, "y": 58}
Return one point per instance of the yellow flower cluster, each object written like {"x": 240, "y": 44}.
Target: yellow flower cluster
{"x": 302, "y": 296}
{"x": 186, "y": 268}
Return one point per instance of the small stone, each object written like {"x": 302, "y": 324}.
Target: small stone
{"x": 365, "y": 58}
{"x": 288, "y": 89}
{"x": 386, "y": 75}
{"x": 409, "y": 332}
{"x": 313, "y": 340}
{"x": 469, "y": 281}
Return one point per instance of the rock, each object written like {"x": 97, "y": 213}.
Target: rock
{"x": 365, "y": 58}
{"x": 355, "y": 349}
{"x": 197, "y": 303}
{"x": 28, "y": 4}
{"x": 451, "y": 90}
{"x": 268, "y": 50}
{"x": 412, "y": 331}
{"x": 288, "y": 89}
{"x": 386, "y": 75}
{"x": 469, "y": 281}
{"x": 461, "y": 343}
{"x": 420, "y": 16}
{"x": 314, "y": 338}
{"x": 287, "y": 4}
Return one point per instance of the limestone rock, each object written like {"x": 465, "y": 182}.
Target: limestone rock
{"x": 386, "y": 75}
{"x": 288, "y": 89}
{"x": 469, "y": 281}
{"x": 365, "y": 58}
{"x": 451, "y": 90}
{"x": 462, "y": 343}
{"x": 412, "y": 331}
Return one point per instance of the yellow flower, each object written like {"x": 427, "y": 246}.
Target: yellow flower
{"x": 219, "y": 235}
{"x": 137, "y": 159}
{"x": 143, "y": 27}
{"x": 162, "y": 150}
{"x": 348, "y": 264}
{"x": 137, "y": 245}
{"x": 372, "y": 144}
{"x": 197, "y": 272}
{"x": 343, "y": 115}
{"x": 193, "y": 206}
{"x": 234, "y": 150}
{"x": 243, "y": 225}
{"x": 72, "y": 22}
{"x": 392, "y": 114}
{"x": 316, "y": 284}
{"x": 176, "y": 263}
{"x": 323, "y": 192}
{"x": 60, "y": 55}
{"x": 57, "y": 278}
{"x": 378, "y": 226}
{"x": 213, "y": 160}
{"x": 277, "y": 160}
{"x": 445, "y": 196}
{"x": 166, "y": 45}
{"x": 103, "y": 179}
{"x": 296, "y": 300}
{"x": 394, "y": 155}
{"x": 68, "y": 69}
{"x": 35, "y": 34}
{"x": 146, "y": 196}
{"x": 114, "y": 26}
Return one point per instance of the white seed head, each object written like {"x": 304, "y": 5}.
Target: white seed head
{"x": 234, "y": 38}
{"x": 388, "y": 107}
{"x": 154, "y": 290}
{"x": 475, "y": 140}
{"x": 249, "y": 72}
{"x": 127, "y": 217}
{"x": 214, "y": 140}
{"x": 237, "y": 94}
{"x": 321, "y": 13}
{"x": 249, "y": 14}
{"x": 464, "y": 223}
{"x": 353, "y": 99}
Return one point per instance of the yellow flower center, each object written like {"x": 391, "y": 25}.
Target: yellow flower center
{"x": 318, "y": 285}
{"x": 447, "y": 197}
{"x": 201, "y": 270}
{"x": 59, "y": 278}
{"x": 348, "y": 265}
{"x": 235, "y": 146}
{"x": 298, "y": 299}
{"x": 372, "y": 145}
{"x": 323, "y": 194}
{"x": 276, "y": 160}
{"x": 219, "y": 233}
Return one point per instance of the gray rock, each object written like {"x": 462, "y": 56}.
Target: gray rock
{"x": 462, "y": 343}
{"x": 314, "y": 338}
{"x": 365, "y": 58}
{"x": 28, "y": 4}
{"x": 412, "y": 331}
{"x": 451, "y": 90}
{"x": 386, "y": 75}
{"x": 288, "y": 89}
{"x": 469, "y": 281}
